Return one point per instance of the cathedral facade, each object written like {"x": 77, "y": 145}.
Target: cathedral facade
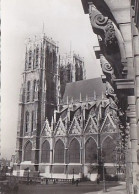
{"x": 67, "y": 126}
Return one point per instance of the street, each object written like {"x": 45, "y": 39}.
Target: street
{"x": 83, "y": 188}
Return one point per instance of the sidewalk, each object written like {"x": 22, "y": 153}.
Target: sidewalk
{"x": 120, "y": 189}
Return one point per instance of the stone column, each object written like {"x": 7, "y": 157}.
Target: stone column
{"x": 129, "y": 176}
{"x": 66, "y": 155}
{"x": 51, "y": 156}
{"x": 133, "y": 137}
{"x": 135, "y": 37}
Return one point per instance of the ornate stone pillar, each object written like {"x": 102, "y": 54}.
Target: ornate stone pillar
{"x": 133, "y": 139}
{"x": 129, "y": 176}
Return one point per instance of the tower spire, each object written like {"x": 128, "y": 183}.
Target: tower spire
{"x": 95, "y": 97}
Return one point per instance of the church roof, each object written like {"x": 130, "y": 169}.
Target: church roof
{"x": 83, "y": 89}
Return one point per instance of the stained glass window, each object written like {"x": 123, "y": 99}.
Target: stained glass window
{"x": 74, "y": 152}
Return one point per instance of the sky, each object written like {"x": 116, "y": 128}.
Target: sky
{"x": 62, "y": 20}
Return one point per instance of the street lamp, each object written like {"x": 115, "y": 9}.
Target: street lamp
{"x": 73, "y": 177}
{"x": 73, "y": 174}
{"x": 104, "y": 182}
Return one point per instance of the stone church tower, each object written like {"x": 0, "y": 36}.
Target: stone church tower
{"x": 63, "y": 118}
{"x": 71, "y": 69}
{"x": 38, "y": 96}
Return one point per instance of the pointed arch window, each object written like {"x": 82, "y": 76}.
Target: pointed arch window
{"x": 28, "y": 152}
{"x": 45, "y": 154}
{"x": 74, "y": 151}
{"x": 81, "y": 72}
{"x": 37, "y": 57}
{"x": 32, "y": 121}
{"x": 108, "y": 150}
{"x": 34, "y": 88}
{"x": 59, "y": 152}
{"x": 76, "y": 71}
{"x": 90, "y": 151}
{"x": 28, "y": 91}
{"x": 29, "y": 59}
{"x": 27, "y": 121}
{"x": 68, "y": 73}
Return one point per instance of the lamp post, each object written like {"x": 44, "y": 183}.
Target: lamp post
{"x": 73, "y": 174}
{"x": 73, "y": 177}
{"x": 104, "y": 181}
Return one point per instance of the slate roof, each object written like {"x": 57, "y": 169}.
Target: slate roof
{"x": 83, "y": 87}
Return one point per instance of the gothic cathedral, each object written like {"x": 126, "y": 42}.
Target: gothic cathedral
{"x": 67, "y": 124}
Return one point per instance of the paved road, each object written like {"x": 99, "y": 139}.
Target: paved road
{"x": 83, "y": 188}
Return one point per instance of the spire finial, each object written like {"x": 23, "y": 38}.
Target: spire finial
{"x": 95, "y": 97}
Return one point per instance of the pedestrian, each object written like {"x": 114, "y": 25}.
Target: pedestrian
{"x": 98, "y": 179}
{"x": 72, "y": 181}
{"x": 54, "y": 181}
{"x": 77, "y": 182}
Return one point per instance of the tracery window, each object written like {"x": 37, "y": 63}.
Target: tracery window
{"x": 29, "y": 59}
{"x": 27, "y": 121}
{"x": 90, "y": 151}
{"x": 59, "y": 152}
{"x": 108, "y": 150}
{"x": 34, "y": 88}
{"x": 28, "y": 91}
{"x": 45, "y": 154}
{"x": 37, "y": 56}
{"x": 28, "y": 151}
{"x": 74, "y": 151}
{"x": 32, "y": 121}
{"x": 76, "y": 72}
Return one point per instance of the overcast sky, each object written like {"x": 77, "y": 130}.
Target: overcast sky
{"x": 65, "y": 22}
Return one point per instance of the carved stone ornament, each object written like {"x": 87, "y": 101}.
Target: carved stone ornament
{"x": 113, "y": 105}
{"x": 75, "y": 128}
{"x": 106, "y": 66}
{"x": 102, "y": 26}
{"x": 110, "y": 91}
{"x": 90, "y": 128}
{"x": 110, "y": 37}
{"x": 47, "y": 130}
{"x": 60, "y": 129}
{"x": 108, "y": 126}
{"x": 100, "y": 20}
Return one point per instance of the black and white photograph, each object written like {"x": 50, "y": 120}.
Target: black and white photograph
{"x": 69, "y": 97}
